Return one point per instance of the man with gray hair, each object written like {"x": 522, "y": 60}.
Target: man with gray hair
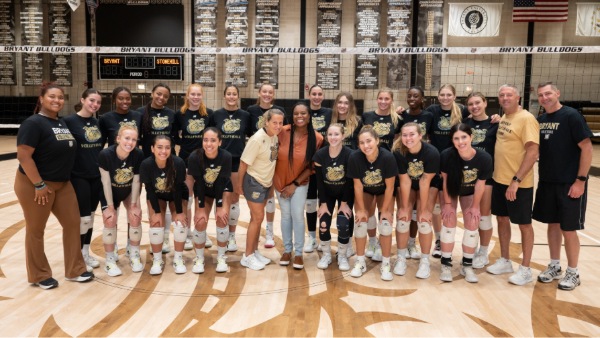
{"x": 517, "y": 148}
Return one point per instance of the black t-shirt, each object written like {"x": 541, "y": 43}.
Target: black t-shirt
{"x": 235, "y": 126}
{"x": 480, "y": 167}
{"x": 121, "y": 172}
{"x": 439, "y": 134}
{"x": 426, "y": 161}
{"x": 331, "y": 175}
{"x": 484, "y": 134}
{"x": 162, "y": 122}
{"x": 372, "y": 175}
{"x": 560, "y": 134}
{"x": 89, "y": 143}
{"x": 321, "y": 118}
{"x": 111, "y": 122}
{"x": 192, "y": 126}
{"x": 352, "y": 140}
{"x": 55, "y": 147}
{"x": 383, "y": 126}
{"x": 155, "y": 180}
{"x": 424, "y": 119}
{"x": 212, "y": 177}
{"x": 256, "y": 115}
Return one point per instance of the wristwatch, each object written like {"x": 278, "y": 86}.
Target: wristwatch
{"x": 516, "y": 179}
{"x": 582, "y": 178}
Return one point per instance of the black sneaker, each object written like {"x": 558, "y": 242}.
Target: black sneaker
{"x": 84, "y": 277}
{"x": 47, "y": 284}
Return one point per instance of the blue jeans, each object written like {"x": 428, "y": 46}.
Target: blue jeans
{"x": 292, "y": 219}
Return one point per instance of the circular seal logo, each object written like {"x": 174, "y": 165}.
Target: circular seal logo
{"x": 473, "y": 19}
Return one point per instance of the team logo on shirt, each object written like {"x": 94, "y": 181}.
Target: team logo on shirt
{"x": 382, "y": 128}
{"x": 274, "y": 152}
{"x": 469, "y": 175}
{"x": 478, "y": 136}
{"x": 261, "y": 122}
{"x": 161, "y": 184}
{"x": 230, "y": 126}
{"x": 444, "y": 123}
{"x": 415, "y": 170}
{"x": 195, "y": 126}
{"x": 160, "y": 122}
{"x": 423, "y": 127}
{"x": 127, "y": 123}
{"x": 123, "y": 175}
{"x": 318, "y": 122}
{"x": 372, "y": 177}
{"x": 92, "y": 134}
{"x": 210, "y": 175}
{"x": 335, "y": 173}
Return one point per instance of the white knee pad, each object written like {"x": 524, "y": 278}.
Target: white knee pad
{"x": 485, "y": 223}
{"x": 270, "y": 205}
{"x": 385, "y": 228}
{"x": 447, "y": 235}
{"x": 234, "y": 213}
{"x": 157, "y": 235}
{"x": 414, "y": 215}
{"x": 424, "y": 228}
{"x": 222, "y": 234}
{"x": 199, "y": 237}
{"x": 360, "y": 230}
{"x": 85, "y": 223}
{"x": 402, "y": 226}
{"x": 470, "y": 238}
{"x": 372, "y": 223}
{"x": 436, "y": 209}
{"x": 109, "y": 235}
{"x": 135, "y": 234}
{"x": 179, "y": 232}
{"x": 311, "y": 205}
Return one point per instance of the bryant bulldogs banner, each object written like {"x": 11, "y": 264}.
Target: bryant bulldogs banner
{"x": 474, "y": 20}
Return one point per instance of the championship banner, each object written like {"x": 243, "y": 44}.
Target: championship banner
{"x": 367, "y": 35}
{"x": 588, "y": 19}
{"x": 474, "y": 20}
{"x": 399, "y": 35}
{"x": 429, "y": 35}
{"x": 7, "y": 37}
{"x": 266, "y": 34}
{"x": 329, "y": 34}
{"x": 205, "y": 35}
{"x": 60, "y": 35}
{"x": 236, "y": 28}
{"x": 32, "y": 23}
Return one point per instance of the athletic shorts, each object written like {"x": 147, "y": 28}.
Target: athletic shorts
{"x": 254, "y": 191}
{"x": 553, "y": 205}
{"x": 437, "y": 182}
{"x": 519, "y": 210}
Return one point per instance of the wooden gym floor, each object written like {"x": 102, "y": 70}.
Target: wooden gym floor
{"x": 280, "y": 301}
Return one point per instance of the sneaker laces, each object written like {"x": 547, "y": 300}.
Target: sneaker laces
{"x": 570, "y": 277}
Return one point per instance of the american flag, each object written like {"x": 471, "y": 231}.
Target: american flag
{"x": 540, "y": 10}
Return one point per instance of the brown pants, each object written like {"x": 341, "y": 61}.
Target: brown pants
{"x": 62, "y": 202}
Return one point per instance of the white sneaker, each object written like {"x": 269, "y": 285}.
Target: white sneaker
{"x": 222, "y": 264}
{"x": 269, "y": 241}
{"x": 116, "y": 252}
{"x": 400, "y": 266}
{"x": 157, "y": 267}
{"x": 264, "y": 260}
{"x": 445, "y": 274}
{"x": 310, "y": 245}
{"x": 386, "y": 274}
{"x": 231, "y": 244}
{"x": 112, "y": 269}
{"x": 165, "y": 247}
{"x": 127, "y": 250}
{"x": 521, "y": 277}
{"x": 198, "y": 265}
{"x": 480, "y": 260}
{"x": 437, "y": 250}
{"x": 252, "y": 262}
{"x": 189, "y": 245}
{"x": 179, "y": 266}
{"x": 343, "y": 263}
{"x": 136, "y": 263}
{"x": 91, "y": 261}
{"x": 359, "y": 269}
{"x": 377, "y": 255}
{"x": 370, "y": 249}
{"x": 208, "y": 244}
{"x": 413, "y": 252}
{"x": 502, "y": 265}
{"x": 424, "y": 270}
{"x": 469, "y": 274}
{"x": 324, "y": 262}
{"x": 570, "y": 281}
{"x": 551, "y": 273}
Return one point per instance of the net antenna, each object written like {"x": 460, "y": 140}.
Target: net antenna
{"x": 92, "y": 5}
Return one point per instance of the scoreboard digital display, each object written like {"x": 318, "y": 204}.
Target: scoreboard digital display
{"x": 134, "y": 67}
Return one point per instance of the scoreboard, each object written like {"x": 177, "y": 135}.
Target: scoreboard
{"x": 134, "y": 67}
